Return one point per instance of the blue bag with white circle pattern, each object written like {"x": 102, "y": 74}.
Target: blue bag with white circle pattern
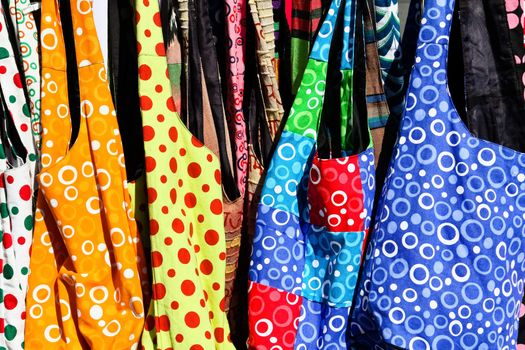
{"x": 445, "y": 265}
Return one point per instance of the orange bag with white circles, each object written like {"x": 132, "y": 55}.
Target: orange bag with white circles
{"x": 87, "y": 266}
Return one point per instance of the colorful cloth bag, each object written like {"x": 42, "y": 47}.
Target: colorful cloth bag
{"x": 188, "y": 245}
{"x": 88, "y": 279}
{"x": 445, "y": 266}
{"x": 314, "y": 212}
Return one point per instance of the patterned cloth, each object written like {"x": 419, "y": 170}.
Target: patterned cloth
{"x": 437, "y": 272}
{"x": 88, "y": 282}
{"x": 313, "y": 216}
{"x": 16, "y": 194}
{"x": 186, "y": 212}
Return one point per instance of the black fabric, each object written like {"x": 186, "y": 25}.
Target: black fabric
{"x": 194, "y": 81}
{"x": 329, "y": 135}
{"x": 493, "y": 90}
{"x": 72, "y": 70}
{"x": 123, "y": 76}
{"x": 360, "y": 135}
{"x": 208, "y": 56}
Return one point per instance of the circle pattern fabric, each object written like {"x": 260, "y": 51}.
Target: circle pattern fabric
{"x": 445, "y": 266}
{"x": 88, "y": 285}
{"x": 185, "y": 207}
{"x": 307, "y": 247}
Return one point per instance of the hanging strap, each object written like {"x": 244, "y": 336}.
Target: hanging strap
{"x": 124, "y": 81}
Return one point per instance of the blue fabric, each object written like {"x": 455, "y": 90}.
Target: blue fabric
{"x": 445, "y": 266}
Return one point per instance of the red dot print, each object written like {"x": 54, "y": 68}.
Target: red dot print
{"x": 170, "y": 103}
{"x": 158, "y": 88}
{"x": 139, "y": 48}
{"x": 174, "y": 134}
{"x": 160, "y": 118}
{"x": 168, "y": 241}
{"x": 197, "y": 248}
{"x": 219, "y": 334}
{"x": 194, "y": 170}
{"x": 188, "y": 287}
{"x": 174, "y": 305}
{"x": 156, "y": 19}
{"x": 150, "y": 323}
{"x": 200, "y": 218}
{"x": 147, "y": 33}
{"x": 159, "y": 49}
{"x": 218, "y": 176}
{"x": 222, "y": 256}
{"x": 149, "y": 133}
{"x": 203, "y": 303}
{"x": 177, "y": 225}
{"x": 162, "y": 148}
{"x": 145, "y": 103}
{"x": 173, "y": 165}
{"x": 181, "y": 183}
{"x": 207, "y": 335}
{"x": 173, "y": 195}
{"x": 7, "y": 240}
{"x": 196, "y": 142}
{"x": 206, "y": 267}
{"x": 209, "y": 157}
{"x": 163, "y": 179}
{"x": 144, "y": 72}
{"x": 10, "y": 179}
{"x": 3, "y": 69}
{"x": 216, "y": 286}
{"x": 171, "y": 273}
{"x": 216, "y": 206}
{"x": 165, "y": 210}
{"x": 184, "y": 255}
{"x": 192, "y": 320}
{"x": 25, "y": 192}
{"x": 159, "y": 291}
{"x": 152, "y": 195}
{"x": 24, "y": 127}
{"x": 182, "y": 152}
{"x": 17, "y": 80}
{"x": 156, "y": 259}
{"x": 150, "y": 164}
{"x": 164, "y": 323}
{"x": 190, "y": 200}
{"x": 21, "y": 240}
{"x": 10, "y": 301}
{"x": 205, "y": 188}
{"x": 153, "y": 227}
{"x": 211, "y": 237}
{"x": 222, "y": 304}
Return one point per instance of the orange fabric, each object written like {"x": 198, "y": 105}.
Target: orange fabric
{"x": 87, "y": 263}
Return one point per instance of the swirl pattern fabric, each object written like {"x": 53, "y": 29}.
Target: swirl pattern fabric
{"x": 445, "y": 266}
{"x": 312, "y": 219}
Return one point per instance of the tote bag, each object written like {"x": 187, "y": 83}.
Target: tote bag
{"x": 444, "y": 269}
{"x": 314, "y": 212}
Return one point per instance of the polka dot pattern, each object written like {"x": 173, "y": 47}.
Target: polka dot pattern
{"x": 16, "y": 199}
{"x": 445, "y": 266}
{"x": 274, "y": 316}
{"x": 88, "y": 286}
{"x": 29, "y": 48}
{"x": 185, "y": 209}
{"x": 311, "y": 223}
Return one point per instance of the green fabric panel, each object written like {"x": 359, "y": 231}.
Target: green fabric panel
{"x": 299, "y": 56}
{"x": 175, "y": 70}
{"x": 308, "y": 104}
{"x": 347, "y": 107}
